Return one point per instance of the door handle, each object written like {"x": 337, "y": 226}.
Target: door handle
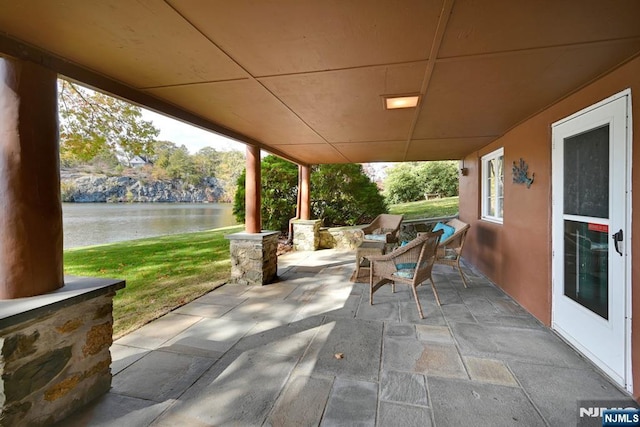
{"x": 618, "y": 237}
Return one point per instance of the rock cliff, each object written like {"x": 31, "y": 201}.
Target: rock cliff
{"x": 84, "y": 188}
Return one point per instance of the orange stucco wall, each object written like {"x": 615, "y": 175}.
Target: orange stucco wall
{"x": 517, "y": 254}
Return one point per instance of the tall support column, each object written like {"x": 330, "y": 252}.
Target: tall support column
{"x": 253, "y": 220}
{"x": 305, "y": 192}
{"x": 30, "y": 201}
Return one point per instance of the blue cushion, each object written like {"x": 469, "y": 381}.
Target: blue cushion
{"x": 405, "y": 274}
{"x": 447, "y": 231}
{"x": 406, "y": 266}
{"x": 379, "y": 237}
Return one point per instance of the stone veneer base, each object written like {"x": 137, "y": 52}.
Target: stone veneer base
{"x": 306, "y": 234}
{"x": 54, "y": 351}
{"x": 254, "y": 257}
{"x": 342, "y": 238}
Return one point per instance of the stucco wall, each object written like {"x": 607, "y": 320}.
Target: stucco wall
{"x": 517, "y": 254}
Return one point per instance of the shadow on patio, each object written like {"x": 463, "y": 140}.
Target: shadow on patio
{"x": 267, "y": 356}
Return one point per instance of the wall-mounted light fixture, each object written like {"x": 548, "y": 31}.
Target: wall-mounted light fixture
{"x": 463, "y": 171}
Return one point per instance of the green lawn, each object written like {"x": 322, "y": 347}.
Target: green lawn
{"x": 161, "y": 273}
{"x": 427, "y": 208}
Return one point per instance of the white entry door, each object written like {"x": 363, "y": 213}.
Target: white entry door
{"x": 591, "y": 233}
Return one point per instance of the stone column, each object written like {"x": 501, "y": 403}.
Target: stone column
{"x": 30, "y": 203}
{"x": 253, "y": 186}
{"x": 254, "y": 259}
{"x": 305, "y": 192}
{"x": 54, "y": 351}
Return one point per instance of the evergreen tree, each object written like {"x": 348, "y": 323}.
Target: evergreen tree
{"x": 342, "y": 194}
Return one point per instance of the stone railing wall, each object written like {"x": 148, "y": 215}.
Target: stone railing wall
{"x": 344, "y": 238}
{"x": 54, "y": 358}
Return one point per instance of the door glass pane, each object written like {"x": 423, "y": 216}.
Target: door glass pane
{"x": 586, "y": 265}
{"x": 586, "y": 173}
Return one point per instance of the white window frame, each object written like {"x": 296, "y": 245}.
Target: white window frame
{"x": 494, "y": 155}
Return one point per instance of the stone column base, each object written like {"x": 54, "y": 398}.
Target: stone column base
{"x": 54, "y": 352}
{"x": 306, "y": 234}
{"x": 254, "y": 257}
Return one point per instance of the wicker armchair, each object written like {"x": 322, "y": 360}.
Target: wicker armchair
{"x": 450, "y": 250}
{"x": 384, "y": 228}
{"x": 410, "y": 264}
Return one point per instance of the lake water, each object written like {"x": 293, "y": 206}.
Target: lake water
{"x": 96, "y": 223}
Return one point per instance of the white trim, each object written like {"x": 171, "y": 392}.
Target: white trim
{"x": 591, "y": 219}
{"x": 628, "y": 243}
{"x": 626, "y": 92}
{"x": 492, "y": 220}
{"x": 494, "y": 155}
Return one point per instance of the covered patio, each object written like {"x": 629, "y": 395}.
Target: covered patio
{"x": 310, "y": 82}
{"x": 267, "y": 356}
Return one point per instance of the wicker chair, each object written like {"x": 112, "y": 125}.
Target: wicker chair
{"x": 410, "y": 264}
{"x": 450, "y": 250}
{"x": 384, "y": 228}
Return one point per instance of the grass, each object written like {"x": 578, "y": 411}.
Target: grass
{"x": 162, "y": 273}
{"x": 427, "y": 208}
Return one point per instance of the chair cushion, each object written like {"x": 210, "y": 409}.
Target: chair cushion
{"x": 405, "y": 274}
{"x": 447, "y": 230}
{"x": 382, "y": 230}
{"x": 406, "y": 266}
{"x": 450, "y": 254}
{"x": 379, "y": 237}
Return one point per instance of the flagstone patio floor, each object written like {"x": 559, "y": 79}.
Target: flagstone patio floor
{"x": 310, "y": 350}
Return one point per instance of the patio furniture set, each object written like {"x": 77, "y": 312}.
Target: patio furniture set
{"x": 410, "y": 263}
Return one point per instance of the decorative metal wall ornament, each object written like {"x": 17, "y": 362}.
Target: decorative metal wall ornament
{"x": 520, "y": 173}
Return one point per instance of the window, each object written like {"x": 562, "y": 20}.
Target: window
{"x": 493, "y": 186}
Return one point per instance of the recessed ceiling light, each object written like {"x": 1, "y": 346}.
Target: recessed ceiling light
{"x": 396, "y": 102}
